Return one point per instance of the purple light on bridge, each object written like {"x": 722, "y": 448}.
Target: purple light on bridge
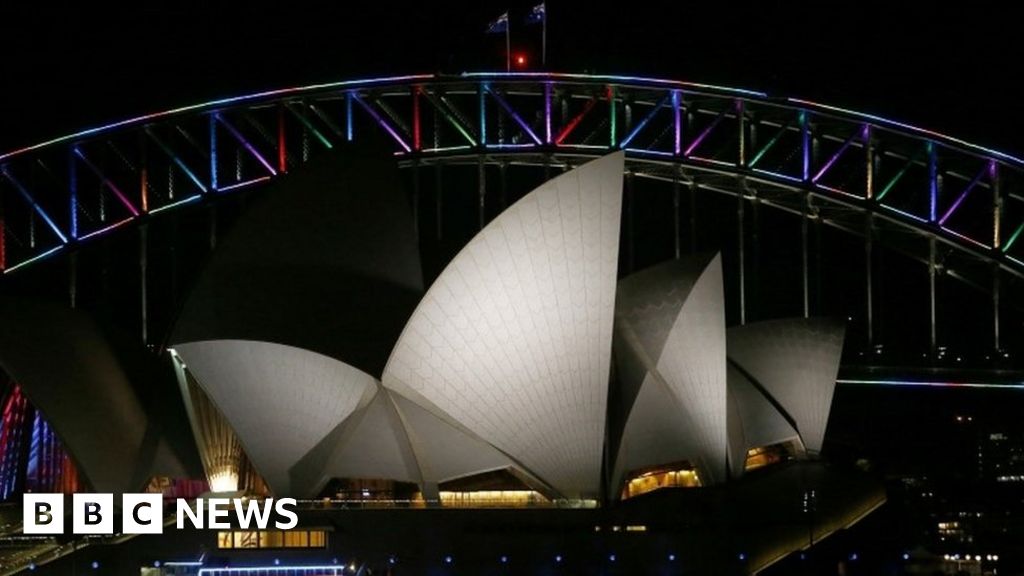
{"x": 512, "y": 113}
{"x": 380, "y": 121}
{"x": 704, "y": 134}
{"x": 248, "y": 146}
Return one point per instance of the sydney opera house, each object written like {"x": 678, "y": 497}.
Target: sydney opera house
{"x": 502, "y": 365}
{"x": 530, "y": 404}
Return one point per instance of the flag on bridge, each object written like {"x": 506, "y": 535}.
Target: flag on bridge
{"x": 537, "y": 15}
{"x": 500, "y": 25}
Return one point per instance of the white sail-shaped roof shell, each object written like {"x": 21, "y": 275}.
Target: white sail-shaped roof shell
{"x": 796, "y": 362}
{"x": 280, "y": 400}
{"x": 753, "y": 421}
{"x": 513, "y": 340}
{"x": 670, "y": 348}
{"x": 304, "y": 418}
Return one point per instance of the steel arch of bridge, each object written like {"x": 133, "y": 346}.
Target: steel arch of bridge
{"x": 960, "y": 206}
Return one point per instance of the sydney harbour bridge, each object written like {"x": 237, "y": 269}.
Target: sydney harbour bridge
{"x": 911, "y": 235}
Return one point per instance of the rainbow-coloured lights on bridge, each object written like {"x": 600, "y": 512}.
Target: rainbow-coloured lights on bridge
{"x": 680, "y": 137}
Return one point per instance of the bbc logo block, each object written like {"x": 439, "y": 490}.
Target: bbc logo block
{"x": 144, "y": 513}
{"x": 43, "y": 514}
{"x": 93, "y": 514}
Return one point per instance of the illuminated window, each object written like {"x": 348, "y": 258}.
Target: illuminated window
{"x": 272, "y": 539}
{"x": 493, "y": 499}
{"x": 678, "y": 476}
{"x": 951, "y": 529}
{"x": 772, "y": 454}
{"x": 494, "y": 489}
{"x": 296, "y": 539}
{"x": 246, "y": 540}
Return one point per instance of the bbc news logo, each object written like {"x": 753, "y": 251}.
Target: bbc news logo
{"x": 144, "y": 513}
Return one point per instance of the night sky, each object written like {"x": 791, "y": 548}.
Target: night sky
{"x": 948, "y": 66}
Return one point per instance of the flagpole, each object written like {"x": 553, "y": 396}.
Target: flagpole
{"x": 544, "y": 38}
{"x": 508, "y": 45}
